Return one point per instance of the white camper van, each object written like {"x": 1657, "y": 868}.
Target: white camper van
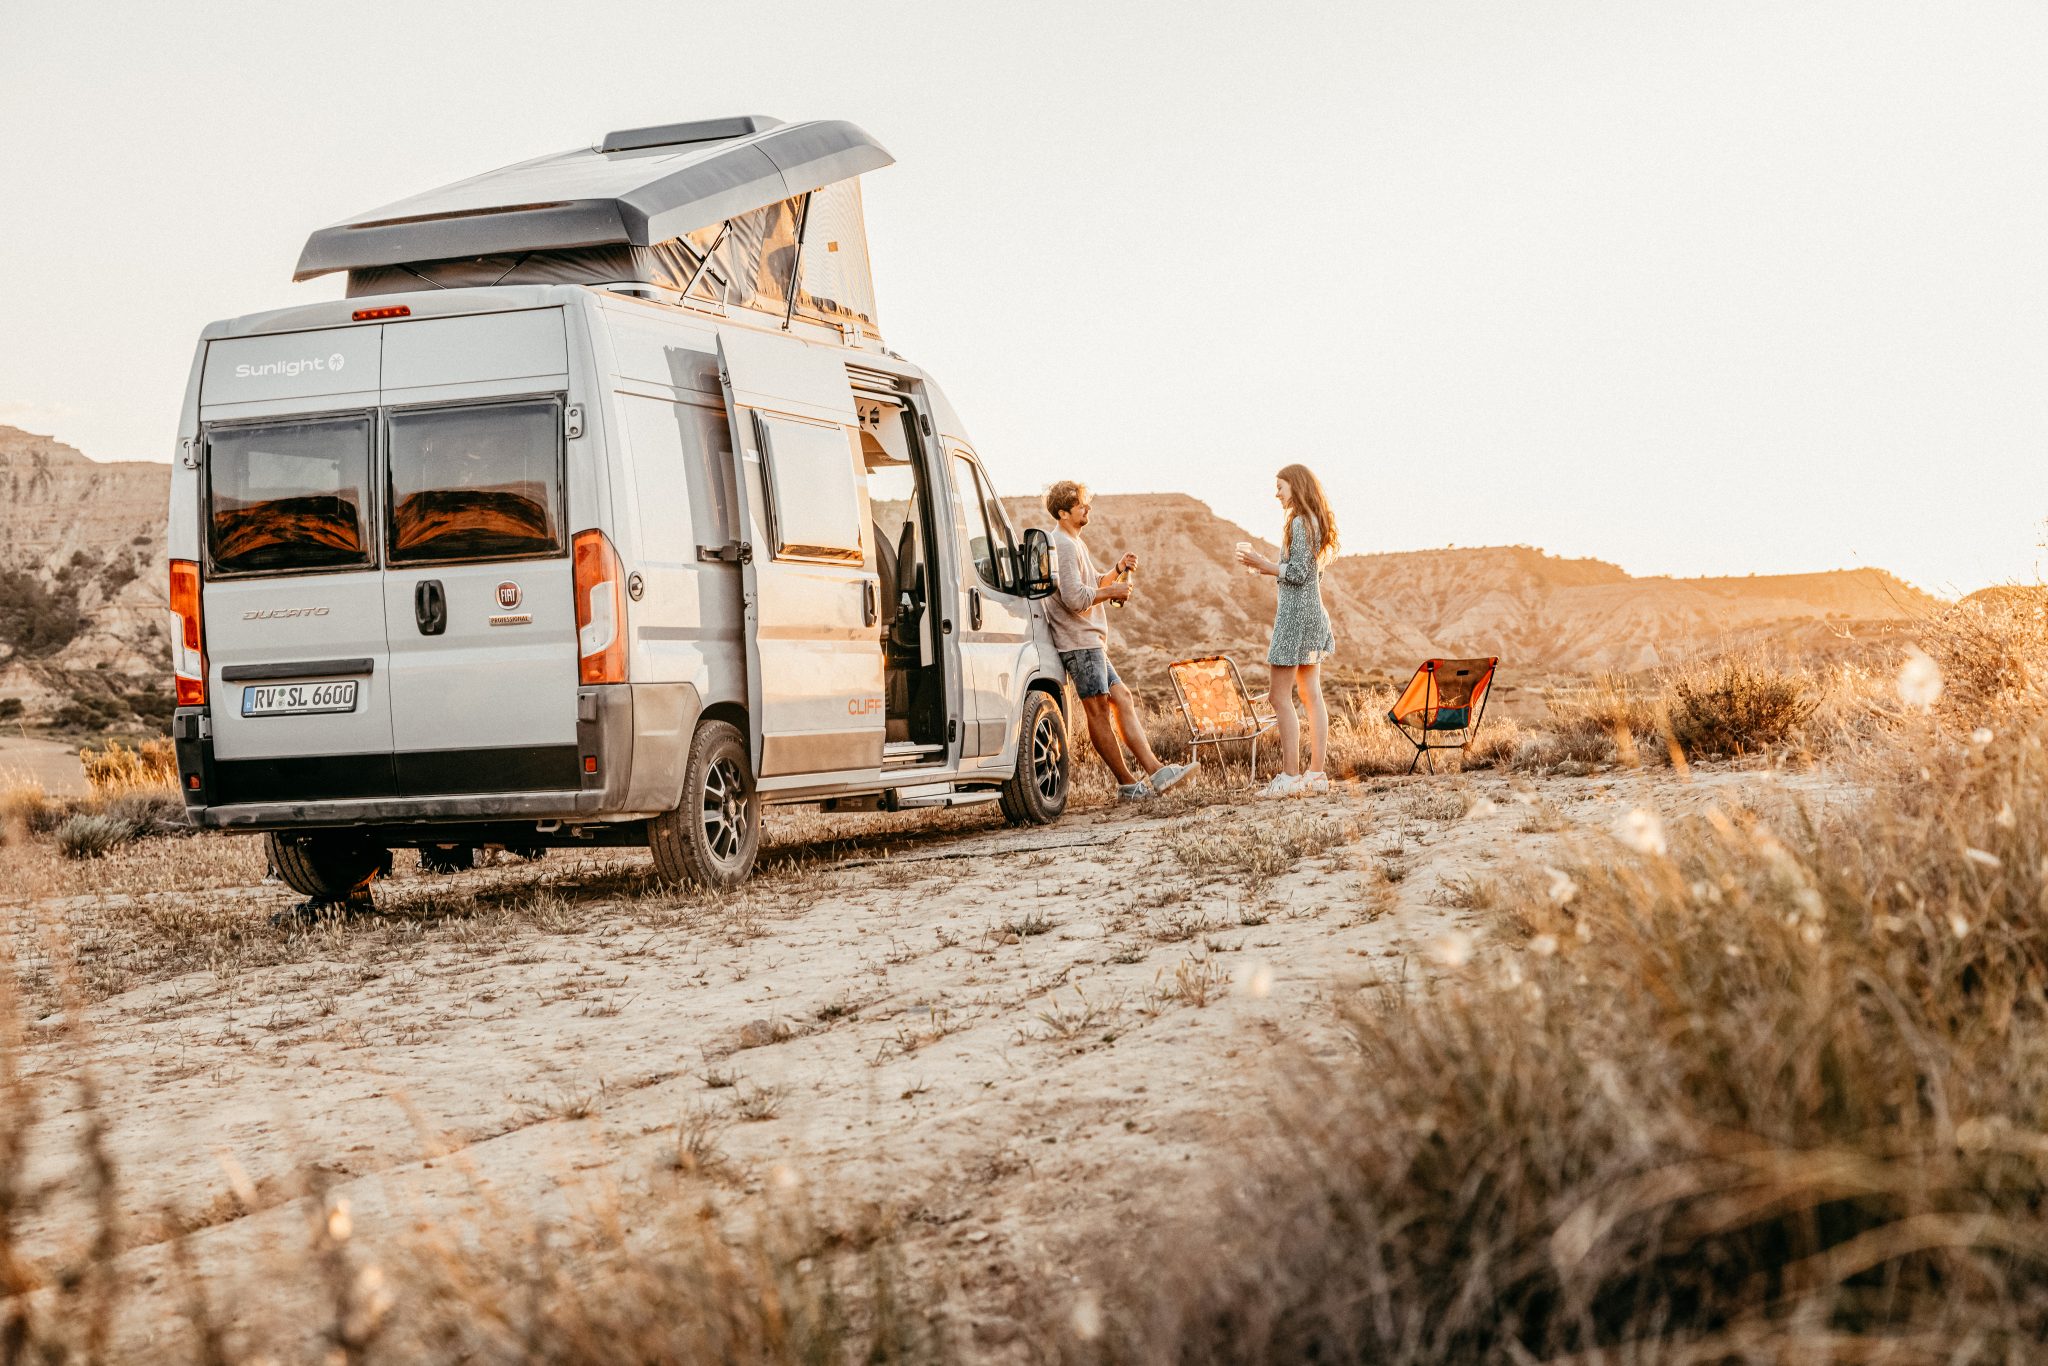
{"x": 595, "y": 514}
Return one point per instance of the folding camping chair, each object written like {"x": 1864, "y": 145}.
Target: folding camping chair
{"x": 1444, "y": 695}
{"x": 1218, "y": 709}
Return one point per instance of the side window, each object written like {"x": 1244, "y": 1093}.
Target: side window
{"x": 814, "y": 494}
{"x": 971, "y": 513}
{"x": 476, "y": 483}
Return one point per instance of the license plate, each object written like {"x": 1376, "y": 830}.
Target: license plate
{"x": 298, "y": 699}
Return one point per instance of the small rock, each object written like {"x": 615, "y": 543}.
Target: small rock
{"x": 979, "y": 1235}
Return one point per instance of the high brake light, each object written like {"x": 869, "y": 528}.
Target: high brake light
{"x": 188, "y": 634}
{"x": 600, "y": 610}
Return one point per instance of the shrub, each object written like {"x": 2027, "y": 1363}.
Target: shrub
{"x": 117, "y": 768}
{"x": 1740, "y": 704}
{"x": 26, "y": 809}
{"x": 90, "y": 836}
{"x": 1993, "y": 648}
{"x": 1615, "y": 718}
{"x": 151, "y": 810}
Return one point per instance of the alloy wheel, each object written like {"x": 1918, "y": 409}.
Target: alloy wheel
{"x": 1048, "y": 751}
{"x": 725, "y": 810}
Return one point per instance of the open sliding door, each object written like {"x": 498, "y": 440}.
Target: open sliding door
{"x": 814, "y": 653}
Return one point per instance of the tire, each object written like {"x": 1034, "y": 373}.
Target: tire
{"x": 447, "y": 858}
{"x": 1037, "y": 793}
{"x": 714, "y": 833}
{"x": 326, "y": 865}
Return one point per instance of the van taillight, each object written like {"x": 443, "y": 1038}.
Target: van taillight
{"x": 600, "y": 609}
{"x": 188, "y": 636}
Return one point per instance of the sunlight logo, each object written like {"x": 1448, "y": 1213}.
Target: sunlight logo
{"x": 291, "y": 369}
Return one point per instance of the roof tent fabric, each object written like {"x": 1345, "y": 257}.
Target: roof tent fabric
{"x": 636, "y": 195}
{"x": 750, "y": 267}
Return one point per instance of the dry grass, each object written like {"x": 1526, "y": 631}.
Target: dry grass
{"x": 152, "y": 764}
{"x": 1747, "y": 1088}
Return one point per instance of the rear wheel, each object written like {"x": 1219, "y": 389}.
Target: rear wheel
{"x": 326, "y": 865}
{"x": 447, "y": 858}
{"x": 1037, "y": 793}
{"x": 713, "y": 834}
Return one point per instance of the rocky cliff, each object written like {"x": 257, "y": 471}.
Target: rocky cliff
{"x": 1547, "y": 615}
{"x": 83, "y": 538}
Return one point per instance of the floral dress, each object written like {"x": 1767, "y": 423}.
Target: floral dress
{"x": 1301, "y": 628}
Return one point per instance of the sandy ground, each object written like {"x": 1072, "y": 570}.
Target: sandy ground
{"x": 53, "y": 765}
{"x": 1020, "y": 1042}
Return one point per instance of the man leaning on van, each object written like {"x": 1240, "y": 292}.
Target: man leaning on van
{"x": 1080, "y": 632}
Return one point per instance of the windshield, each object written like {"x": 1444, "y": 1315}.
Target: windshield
{"x": 476, "y": 483}
{"x": 289, "y": 496}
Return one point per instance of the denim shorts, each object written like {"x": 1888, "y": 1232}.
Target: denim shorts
{"x": 1091, "y": 671}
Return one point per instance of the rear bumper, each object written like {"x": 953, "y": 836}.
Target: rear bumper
{"x": 584, "y": 781}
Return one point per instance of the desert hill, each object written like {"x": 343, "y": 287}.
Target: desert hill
{"x": 1548, "y": 615}
{"x": 82, "y": 578}
{"x": 82, "y": 607}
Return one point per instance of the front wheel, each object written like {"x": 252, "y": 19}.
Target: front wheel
{"x": 1037, "y": 793}
{"x": 713, "y": 834}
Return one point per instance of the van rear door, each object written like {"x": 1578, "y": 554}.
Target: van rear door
{"x": 814, "y": 660}
{"x": 298, "y": 682}
{"x": 479, "y": 601}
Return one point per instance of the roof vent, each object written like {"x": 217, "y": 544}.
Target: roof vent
{"x": 672, "y": 134}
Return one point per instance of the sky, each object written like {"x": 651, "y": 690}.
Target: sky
{"x": 1712, "y": 288}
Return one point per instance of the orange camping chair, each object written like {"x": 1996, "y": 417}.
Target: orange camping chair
{"x": 1218, "y": 708}
{"x": 1445, "y": 695}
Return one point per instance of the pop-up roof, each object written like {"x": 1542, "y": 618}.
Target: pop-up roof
{"x": 721, "y": 209}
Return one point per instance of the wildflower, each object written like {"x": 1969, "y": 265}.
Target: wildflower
{"x": 1543, "y": 945}
{"x": 1584, "y": 930}
{"x": 1644, "y": 833}
{"x": 1983, "y": 857}
{"x": 1811, "y": 934}
{"x": 1919, "y": 680}
{"x": 1454, "y": 950}
{"x": 1483, "y": 807}
{"x": 339, "y": 1225}
{"x": 784, "y": 1177}
{"x": 1562, "y": 888}
{"x": 1981, "y": 736}
{"x": 2005, "y": 819}
{"x": 1957, "y": 925}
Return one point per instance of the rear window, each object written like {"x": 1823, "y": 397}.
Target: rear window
{"x": 476, "y": 483}
{"x": 289, "y": 496}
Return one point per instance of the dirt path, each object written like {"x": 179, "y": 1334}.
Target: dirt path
{"x": 1015, "y": 1041}
{"x": 53, "y": 765}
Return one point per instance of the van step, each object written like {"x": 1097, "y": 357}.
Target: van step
{"x": 945, "y": 799}
{"x": 908, "y": 754}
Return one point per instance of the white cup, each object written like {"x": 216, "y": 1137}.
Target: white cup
{"x": 1244, "y": 547}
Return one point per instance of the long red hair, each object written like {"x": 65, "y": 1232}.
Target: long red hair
{"x": 1305, "y": 499}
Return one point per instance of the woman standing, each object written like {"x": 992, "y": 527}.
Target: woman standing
{"x": 1301, "y": 628}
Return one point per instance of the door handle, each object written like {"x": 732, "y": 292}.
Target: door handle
{"x": 974, "y": 609}
{"x": 870, "y": 601}
{"x": 430, "y": 607}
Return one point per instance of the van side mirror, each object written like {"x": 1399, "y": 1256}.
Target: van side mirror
{"x": 1036, "y": 565}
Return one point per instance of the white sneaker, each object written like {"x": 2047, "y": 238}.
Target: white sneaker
{"x": 1286, "y": 785}
{"x": 1170, "y": 774}
{"x": 1315, "y": 784}
{"x": 1139, "y": 791}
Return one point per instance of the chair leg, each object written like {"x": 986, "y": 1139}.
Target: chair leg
{"x": 1416, "y": 762}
